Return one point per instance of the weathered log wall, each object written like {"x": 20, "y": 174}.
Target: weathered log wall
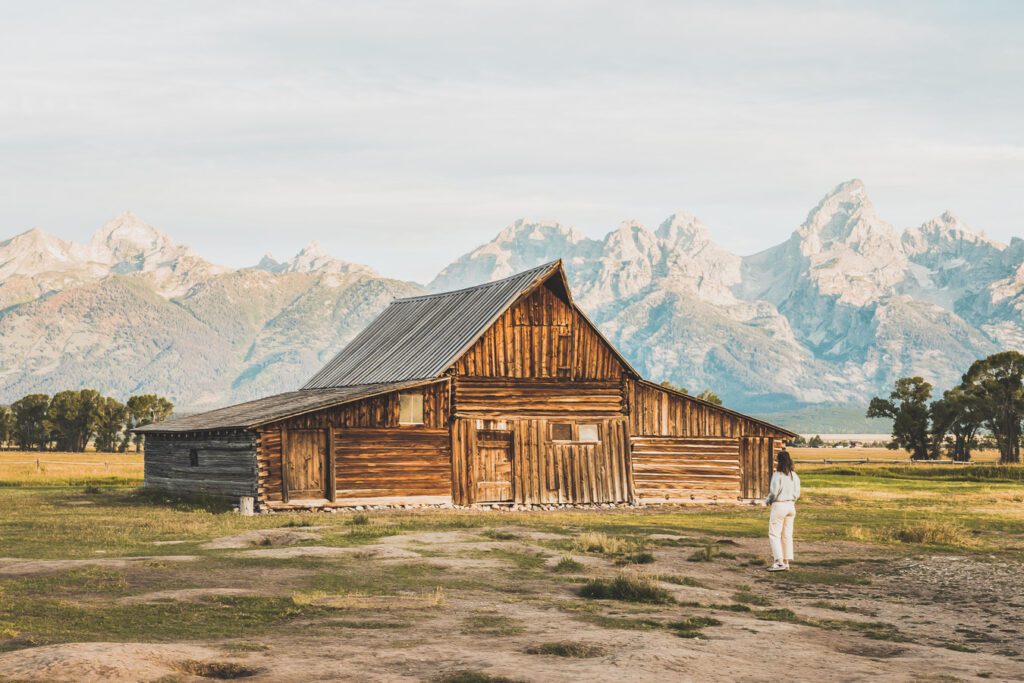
{"x": 375, "y": 412}
{"x": 372, "y": 455}
{"x": 494, "y": 397}
{"x": 546, "y": 471}
{"x": 541, "y": 336}
{"x": 757, "y": 458}
{"x": 677, "y": 469}
{"x": 392, "y": 462}
{"x": 654, "y": 411}
{"x": 211, "y": 464}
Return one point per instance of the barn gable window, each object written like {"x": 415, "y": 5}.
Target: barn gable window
{"x": 410, "y": 409}
{"x": 193, "y": 457}
{"x": 589, "y": 433}
{"x": 561, "y": 431}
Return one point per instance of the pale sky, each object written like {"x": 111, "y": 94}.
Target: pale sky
{"x": 403, "y": 134}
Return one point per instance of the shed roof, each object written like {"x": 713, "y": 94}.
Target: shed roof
{"x": 273, "y": 408}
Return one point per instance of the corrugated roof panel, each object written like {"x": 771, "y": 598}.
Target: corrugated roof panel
{"x": 272, "y": 408}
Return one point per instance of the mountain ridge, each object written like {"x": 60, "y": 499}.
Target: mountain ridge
{"x": 830, "y": 315}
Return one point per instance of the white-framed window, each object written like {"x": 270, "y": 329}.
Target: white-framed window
{"x": 410, "y": 409}
{"x": 589, "y": 433}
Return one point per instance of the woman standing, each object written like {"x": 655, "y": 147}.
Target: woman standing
{"x": 783, "y": 492}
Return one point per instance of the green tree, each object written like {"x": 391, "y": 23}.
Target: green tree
{"x": 72, "y": 418}
{"x": 30, "y": 421}
{"x": 798, "y": 442}
{"x": 147, "y": 409}
{"x": 907, "y": 407}
{"x": 816, "y": 441}
{"x": 956, "y": 413}
{"x": 997, "y": 384}
{"x": 111, "y": 421}
{"x": 6, "y": 425}
{"x": 710, "y": 397}
{"x": 673, "y": 387}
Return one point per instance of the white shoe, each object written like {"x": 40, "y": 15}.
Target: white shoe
{"x": 777, "y": 567}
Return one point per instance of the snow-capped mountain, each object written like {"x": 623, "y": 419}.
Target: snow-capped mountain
{"x": 832, "y": 315}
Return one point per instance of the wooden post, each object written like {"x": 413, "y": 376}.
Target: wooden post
{"x": 245, "y": 506}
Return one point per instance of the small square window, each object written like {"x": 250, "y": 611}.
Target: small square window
{"x": 589, "y": 433}
{"x": 561, "y": 431}
{"x": 410, "y": 409}
{"x": 193, "y": 457}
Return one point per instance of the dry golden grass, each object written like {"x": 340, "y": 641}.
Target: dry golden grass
{"x": 880, "y": 454}
{"x": 600, "y": 542}
{"x": 928, "y": 532}
{"x": 56, "y": 468}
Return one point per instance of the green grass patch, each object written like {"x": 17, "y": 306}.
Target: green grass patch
{"x": 692, "y": 626}
{"x": 681, "y": 580}
{"x": 748, "y": 598}
{"x": 566, "y": 648}
{"x": 567, "y": 565}
{"x": 491, "y": 624}
{"x": 627, "y": 588}
{"x": 472, "y": 676}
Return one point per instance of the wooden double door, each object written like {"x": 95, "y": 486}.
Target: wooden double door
{"x": 493, "y": 463}
{"x": 306, "y": 467}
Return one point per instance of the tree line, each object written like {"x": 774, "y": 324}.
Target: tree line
{"x": 71, "y": 420}
{"x": 990, "y": 398}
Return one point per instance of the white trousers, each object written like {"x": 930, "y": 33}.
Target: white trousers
{"x": 780, "y": 530}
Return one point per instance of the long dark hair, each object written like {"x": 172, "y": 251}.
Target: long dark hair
{"x": 784, "y": 462}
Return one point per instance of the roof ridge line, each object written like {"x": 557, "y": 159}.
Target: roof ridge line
{"x": 543, "y": 266}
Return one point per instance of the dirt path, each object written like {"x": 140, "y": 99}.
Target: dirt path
{"x": 850, "y": 612}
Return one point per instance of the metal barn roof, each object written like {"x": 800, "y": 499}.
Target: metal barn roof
{"x": 421, "y": 336}
{"x": 273, "y": 408}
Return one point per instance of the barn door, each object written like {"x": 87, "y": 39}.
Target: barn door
{"x": 493, "y": 465}
{"x": 305, "y": 464}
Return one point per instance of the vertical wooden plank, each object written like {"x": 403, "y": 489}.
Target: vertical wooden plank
{"x": 284, "y": 465}
{"x": 332, "y": 468}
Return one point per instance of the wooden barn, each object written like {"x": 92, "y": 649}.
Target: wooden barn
{"x": 504, "y": 393}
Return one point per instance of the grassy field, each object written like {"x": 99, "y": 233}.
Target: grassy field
{"x": 905, "y": 571}
{"x": 34, "y": 468}
{"x": 883, "y": 454}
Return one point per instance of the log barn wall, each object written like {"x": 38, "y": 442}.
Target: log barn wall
{"x": 541, "y": 336}
{"x": 372, "y": 456}
{"x": 546, "y": 471}
{"x": 678, "y": 469}
{"x": 686, "y": 449}
{"x": 527, "y": 398}
{"x": 655, "y": 411}
{"x": 210, "y": 464}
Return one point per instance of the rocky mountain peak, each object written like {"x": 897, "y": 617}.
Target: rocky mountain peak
{"x": 35, "y": 252}
{"x": 128, "y": 239}
{"x": 846, "y": 218}
{"x": 313, "y": 258}
{"x": 523, "y": 230}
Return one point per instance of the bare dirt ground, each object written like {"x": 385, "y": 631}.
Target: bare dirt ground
{"x": 848, "y": 612}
